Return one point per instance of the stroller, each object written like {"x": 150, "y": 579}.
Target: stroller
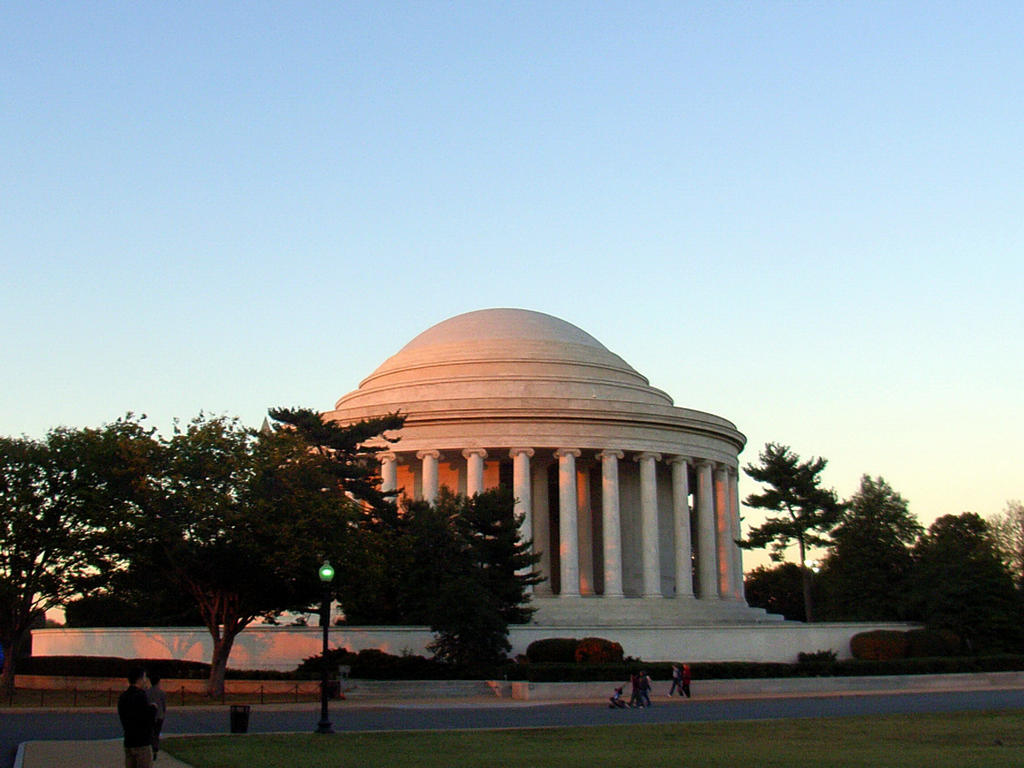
{"x": 615, "y": 700}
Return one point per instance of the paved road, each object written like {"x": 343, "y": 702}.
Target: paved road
{"x": 16, "y": 727}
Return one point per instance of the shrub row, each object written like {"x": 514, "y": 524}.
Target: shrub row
{"x": 109, "y": 666}
{"x": 376, "y": 665}
{"x": 373, "y": 664}
{"x": 736, "y": 670}
{"x": 117, "y": 667}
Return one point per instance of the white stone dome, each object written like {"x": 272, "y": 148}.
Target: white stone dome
{"x": 507, "y": 354}
{"x": 494, "y": 375}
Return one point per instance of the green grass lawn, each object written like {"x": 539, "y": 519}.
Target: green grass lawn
{"x": 961, "y": 740}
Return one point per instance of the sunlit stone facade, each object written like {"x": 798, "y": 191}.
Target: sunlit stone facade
{"x": 631, "y": 502}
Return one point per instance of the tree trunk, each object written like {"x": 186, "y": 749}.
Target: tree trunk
{"x": 219, "y": 664}
{"x": 805, "y": 574}
{"x": 7, "y": 677}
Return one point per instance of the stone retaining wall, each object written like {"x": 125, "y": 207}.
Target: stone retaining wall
{"x": 284, "y": 648}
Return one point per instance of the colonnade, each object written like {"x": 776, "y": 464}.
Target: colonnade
{"x": 706, "y": 562}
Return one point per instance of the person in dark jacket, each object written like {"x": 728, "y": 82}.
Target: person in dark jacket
{"x": 644, "y": 686}
{"x": 137, "y": 717}
{"x": 157, "y": 699}
{"x": 635, "y": 700}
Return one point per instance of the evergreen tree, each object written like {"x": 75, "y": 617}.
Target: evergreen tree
{"x": 367, "y": 579}
{"x": 808, "y": 511}
{"x": 470, "y": 574}
{"x": 132, "y": 599}
{"x": 869, "y": 558}
{"x": 352, "y": 449}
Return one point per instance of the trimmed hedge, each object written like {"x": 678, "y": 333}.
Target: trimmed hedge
{"x": 741, "y": 670}
{"x": 569, "y": 650}
{"x": 116, "y": 667}
{"x": 597, "y": 650}
{"x": 932, "y": 642}
{"x": 879, "y": 645}
{"x": 884, "y": 644}
{"x": 559, "y": 650}
{"x": 109, "y": 666}
{"x": 373, "y": 664}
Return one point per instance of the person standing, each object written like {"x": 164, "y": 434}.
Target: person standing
{"x": 157, "y": 699}
{"x": 634, "y": 690}
{"x": 645, "y": 689}
{"x": 136, "y": 716}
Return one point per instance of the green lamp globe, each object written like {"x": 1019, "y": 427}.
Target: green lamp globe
{"x": 327, "y": 572}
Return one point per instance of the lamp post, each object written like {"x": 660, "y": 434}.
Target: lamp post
{"x": 326, "y": 577}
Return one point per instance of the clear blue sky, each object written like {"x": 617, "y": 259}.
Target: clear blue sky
{"x": 805, "y": 217}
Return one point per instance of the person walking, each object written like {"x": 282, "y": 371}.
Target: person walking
{"x": 136, "y": 717}
{"x": 157, "y": 698}
{"x": 685, "y": 680}
{"x": 677, "y": 680}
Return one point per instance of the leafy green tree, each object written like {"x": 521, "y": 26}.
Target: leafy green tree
{"x": 869, "y": 559}
{"x": 133, "y": 599}
{"x": 1008, "y": 530}
{"x": 372, "y": 582}
{"x": 209, "y": 521}
{"x": 807, "y": 511}
{"x": 778, "y": 589}
{"x": 960, "y": 583}
{"x": 51, "y": 494}
{"x": 240, "y": 520}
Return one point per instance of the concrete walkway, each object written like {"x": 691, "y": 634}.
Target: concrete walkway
{"x": 80, "y": 754}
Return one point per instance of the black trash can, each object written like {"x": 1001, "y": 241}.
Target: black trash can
{"x": 239, "y": 718}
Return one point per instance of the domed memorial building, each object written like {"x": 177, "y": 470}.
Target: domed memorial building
{"x": 631, "y": 502}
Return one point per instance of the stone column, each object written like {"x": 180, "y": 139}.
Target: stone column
{"x": 569, "y": 547}
{"x": 734, "y": 497}
{"x": 612, "y": 522}
{"x": 521, "y": 489}
{"x": 585, "y": 530}
{"x": 429, "y": 459}
{"x": 474, "y": 470}
{"x": 388, "y": 472}
{"x": 649, "y": 554}
{"x": 681, "y": 525}
{"x": 707, "y": 566}
{"x": 541, "y": 524}
{"x": 723, "y": 531}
